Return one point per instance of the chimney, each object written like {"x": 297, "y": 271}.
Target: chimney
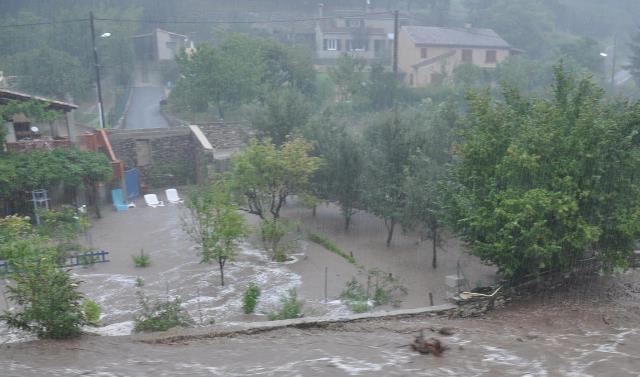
{"x": 320, "y": 10}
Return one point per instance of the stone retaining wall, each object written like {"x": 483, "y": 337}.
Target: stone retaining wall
{"x": 165, "y": 157}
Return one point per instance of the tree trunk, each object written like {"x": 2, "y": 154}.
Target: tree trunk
{"x": 313, "y": 211}
{"x": 220, "y": 112}
{"x": 434, "y": 261}
{"x": 93, "y": 192}
{"x": 347, "y": 222}
{"x": 221, "y": 263}
{"x": 390, "y": 229}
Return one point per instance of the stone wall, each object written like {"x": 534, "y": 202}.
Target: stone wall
{"x": 165, "y": 157}
{"x": 177, "y": 155}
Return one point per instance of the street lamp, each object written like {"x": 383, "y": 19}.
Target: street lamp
{"x": 97, "y": 66}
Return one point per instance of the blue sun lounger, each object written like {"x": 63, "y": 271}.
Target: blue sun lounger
{"x": 116, "y": 197}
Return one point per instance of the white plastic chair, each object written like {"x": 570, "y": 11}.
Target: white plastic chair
{"x": 172, "y": 196}
{"x": 152, "y": 201}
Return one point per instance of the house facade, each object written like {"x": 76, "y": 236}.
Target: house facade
{"x": 365, "y": 34}
{"x": 25, "y": 134}
{"x": 159, "y": 45}
{"x": 426, "y": 55}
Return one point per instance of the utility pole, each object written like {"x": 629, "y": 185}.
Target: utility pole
{"x": 97, "y": 66}
{"x": 613, "y": 63}
{"x": 396, "y": 28}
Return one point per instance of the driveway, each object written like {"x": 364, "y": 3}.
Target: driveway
{"x": 144, "y": 110}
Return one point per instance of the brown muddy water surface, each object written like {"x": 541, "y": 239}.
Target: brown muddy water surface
{"x": 591, "y": 329}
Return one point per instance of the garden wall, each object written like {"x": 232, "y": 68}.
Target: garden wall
{"x": 179, "y": 155}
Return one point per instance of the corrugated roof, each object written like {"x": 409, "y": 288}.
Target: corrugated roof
{"x": 18, "y": 96}
{"x": 463, "y": 37}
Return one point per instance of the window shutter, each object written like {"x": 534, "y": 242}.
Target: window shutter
{"x": 339, "y": 45}
{"x": 324, "y": 44}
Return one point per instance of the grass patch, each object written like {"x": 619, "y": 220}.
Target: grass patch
{"x": 329, "y": 245}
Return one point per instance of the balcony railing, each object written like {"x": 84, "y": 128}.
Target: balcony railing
{"x": 30, "y": 145}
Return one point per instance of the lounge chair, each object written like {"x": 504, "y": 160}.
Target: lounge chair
{"x": 172, "y": 196}
{"x": 116, "y": 197}
{"x": 152, "y": 201}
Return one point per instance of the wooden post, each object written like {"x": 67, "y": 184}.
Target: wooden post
{"x": 326, "y": 273}
{"x": 430, "y": 299}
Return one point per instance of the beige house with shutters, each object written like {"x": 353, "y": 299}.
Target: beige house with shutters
{"x": 427, "y": 55}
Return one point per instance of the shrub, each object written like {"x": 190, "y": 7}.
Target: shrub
{"x": 141, "y": 260}
{"x": 251, "y": 296}
{"x": 47, "y": 297}
{"x": 381, "y": 289}
{"x": 91, "y": 312}
{"x": 279, "y": 237}
{"x": 160, "y": 315}
{"x": 291, "y": 307}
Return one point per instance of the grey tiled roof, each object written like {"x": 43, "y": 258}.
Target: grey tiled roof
{"x": 464, "y": 37}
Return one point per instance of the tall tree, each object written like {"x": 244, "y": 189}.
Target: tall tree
{"x": 389, "y": 144}
{"x": 264, "y": 175}
{"x": 541, "y": 183}
{"x": 427, "y": 172}
{"x": 282, "y": 114}
{"x": 215, "y": 224}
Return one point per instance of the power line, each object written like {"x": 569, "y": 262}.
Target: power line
{"x": 46, "y": 23}
{"x": 283, "y": 20}
{"x": 237, "y": 21}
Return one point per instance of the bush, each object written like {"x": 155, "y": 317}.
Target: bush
{"x": 47, "y": 297}
{"x": 91, "y": 312}
{"x": 381, "y": 289}
{"x": 279, "y": 238}
{"x": 251, "y": 296}
{"x": 160, "y": 315}
{"x": 141, "y": 260}
{"x": 332, "y": 247}
{"x": 291, "y": 307}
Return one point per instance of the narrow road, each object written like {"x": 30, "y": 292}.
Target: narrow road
{"x": 144, "y": 110}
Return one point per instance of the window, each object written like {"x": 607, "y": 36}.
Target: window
{"x": 490, "y": 57}
{"x": 467, "y": 56}
{"x": 356, "y": 45}
{"x": 423, "y": 53}
{"x": 332, "y": 45}
{"x": 354, "y": 22}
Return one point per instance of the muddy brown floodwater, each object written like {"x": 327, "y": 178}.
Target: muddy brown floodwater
{"x": 590, "y": 327}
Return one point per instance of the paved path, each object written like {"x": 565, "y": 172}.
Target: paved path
{"x": 144, "y": 110}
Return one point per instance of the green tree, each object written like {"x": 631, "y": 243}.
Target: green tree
{"x": 389, "y": 143}
{"x": 264, "y": 175}
{"x": 426, "y": 172}
{"x": 48, "y": 298}
{"x": 541, "y": 183}
{"x": 282, "y": 113}
{"x": 48, "y": 72}
{"x": 215, "y": 224}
